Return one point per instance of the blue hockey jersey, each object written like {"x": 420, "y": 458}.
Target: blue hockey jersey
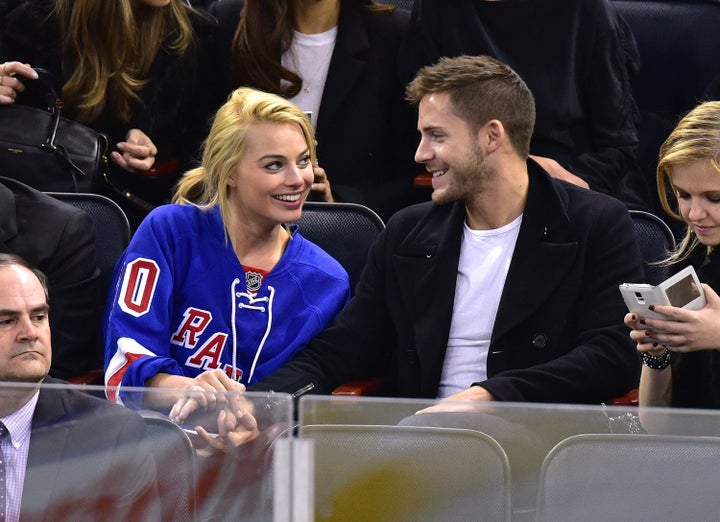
{"x": 180, "y": 302}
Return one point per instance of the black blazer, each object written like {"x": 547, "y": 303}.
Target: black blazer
{"x": 87, "y": 461}
{"x": 558, "y": 336}
{"x": 59, "y": 239}
{"x": 366, "y": 131}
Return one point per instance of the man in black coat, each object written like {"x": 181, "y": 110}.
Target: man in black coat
{"x": 505, "y": 286}
{"x": 69, "y": 456}
{"x": 58, "y": 239}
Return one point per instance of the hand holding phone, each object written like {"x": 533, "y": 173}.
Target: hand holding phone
{"x": 683, "y": 290}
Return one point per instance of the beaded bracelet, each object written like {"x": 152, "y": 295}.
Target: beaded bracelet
{"x": 657, "y": 362}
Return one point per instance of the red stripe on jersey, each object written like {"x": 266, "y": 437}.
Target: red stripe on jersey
{"x": 117, "y": 377}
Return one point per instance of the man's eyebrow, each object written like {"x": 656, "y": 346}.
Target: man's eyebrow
{"x": 430, "y": 128}
{"x": 43, "y": 308}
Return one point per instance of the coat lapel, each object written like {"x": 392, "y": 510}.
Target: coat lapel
{"x": 541, "y": 258}
{"x": 48, "y": 443}
{"x": 426, "y": 268}
{"x": 426, "y": 265}
{"x": 346, "y": 65}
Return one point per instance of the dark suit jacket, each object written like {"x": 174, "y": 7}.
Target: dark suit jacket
{"x": 366, "y": 131}
{"x": 59, "y": 239}
{"x": 87, "y": 461}
{"x": 558, "y": 336}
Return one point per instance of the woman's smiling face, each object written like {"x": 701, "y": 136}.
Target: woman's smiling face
{"x": 273, "y": 177}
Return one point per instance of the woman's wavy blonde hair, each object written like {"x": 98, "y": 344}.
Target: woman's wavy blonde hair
{"x": 207, "y": 185}
{"x": 695, "y": 138}
{"x": 108, "y": 47}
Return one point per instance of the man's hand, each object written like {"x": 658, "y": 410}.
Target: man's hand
{"x": 558, "y": 171}
{"x": 236, "y": 426}
{"x": 465, "y": 400}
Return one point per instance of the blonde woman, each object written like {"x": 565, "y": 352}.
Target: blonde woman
{"x": 337, "y": 60}
{"x": 682, "y": 364}
{"x": 133, "y": 69}
{"x": 216, "y": 292}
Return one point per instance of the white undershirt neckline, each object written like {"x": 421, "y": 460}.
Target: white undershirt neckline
{"x": 309, "y": 56}
{"x": 485, "y": 257}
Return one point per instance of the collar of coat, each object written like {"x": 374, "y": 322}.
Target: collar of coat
{"x": 427, "y": 259}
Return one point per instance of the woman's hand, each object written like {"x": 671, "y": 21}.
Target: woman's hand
{"x": 321, "y": 185}
{"x": 137, "y": 153}
{"x": 10, "y": 86}
{"x": 206, "y": 394}
{"x": 641, "y": 334}
{"x": 683, "y": 330}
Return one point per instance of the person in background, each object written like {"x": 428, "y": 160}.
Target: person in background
{"x": 59, "y": 239}
{"x": 680, "y": 353}
{"x": 136, "y": 70}
{"x": 202, "y": 5}
{"x": 336, "y": 60}
{"x": 216, "y": 292}
{"x": 68, "y": 455}
{"x": 578, "y": 59}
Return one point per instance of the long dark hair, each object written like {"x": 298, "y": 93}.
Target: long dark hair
{"x": 264, "y": 33}
{"x": 108, "y": 47}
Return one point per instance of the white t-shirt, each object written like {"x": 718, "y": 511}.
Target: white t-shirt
{"x": 309, "y": 56}
{"x": 485, "y": 257}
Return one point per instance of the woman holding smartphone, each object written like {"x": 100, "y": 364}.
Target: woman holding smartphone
{"x": 681, "y": 362}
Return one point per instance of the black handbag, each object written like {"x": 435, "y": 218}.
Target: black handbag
{"x": 46, "y": 151}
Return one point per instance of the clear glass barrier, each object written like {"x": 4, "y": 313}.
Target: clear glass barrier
{"x": 352, "y": 459}
{"x": 377, "y": 459}
{"x": 90, "y": 459}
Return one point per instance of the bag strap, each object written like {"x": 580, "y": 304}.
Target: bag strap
{"x": 52, "y": 90}
{"x": 127, "y": 194}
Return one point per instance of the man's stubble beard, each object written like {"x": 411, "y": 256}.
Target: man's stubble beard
{"x": 469, "y": 179}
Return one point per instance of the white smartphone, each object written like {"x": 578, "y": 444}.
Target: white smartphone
{"x": 683, "y": 290}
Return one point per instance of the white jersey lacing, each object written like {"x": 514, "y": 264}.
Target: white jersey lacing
{"x": 250, "y": 305}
